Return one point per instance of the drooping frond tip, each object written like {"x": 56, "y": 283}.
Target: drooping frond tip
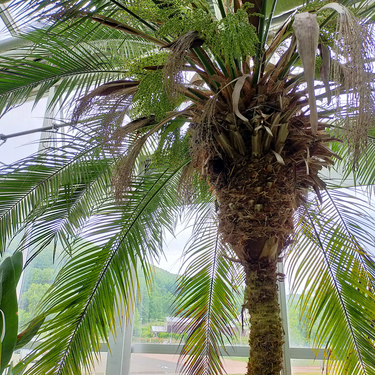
{"x": 306, "y": 30}
{"x": 352, "y": 48}
{"x": 173, "y": 67}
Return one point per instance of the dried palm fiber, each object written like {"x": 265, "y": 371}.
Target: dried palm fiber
{"x": 126, "y": 164}
{"x": 353, "y": 47}
{"x": 88, "y": 103}
{"x": 122, "y": 175}
{"x": 186, "y": 184}
{"x": 257, "y": 192}
{"x": 113, "y": 99}
{"x": 204, "y": 135}
{"x": 172, "y": 72}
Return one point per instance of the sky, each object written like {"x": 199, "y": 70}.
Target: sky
{"x": 18, "y": 120}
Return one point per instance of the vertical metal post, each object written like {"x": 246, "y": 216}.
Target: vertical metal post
{"x": 47, "y": 138}
{"x": 119, "y": 355}
{"x": 284, "y": 318}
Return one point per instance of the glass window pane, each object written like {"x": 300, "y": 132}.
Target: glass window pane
{"x": 4, "y": 32}
{"x": 235, "y": 365}
{"x": 298, "y": 336}
{"x": 100, "y": 367}
{"x": 306, "y": 366}
{"x": 18, "y": 120}
{"x": 145, "y": 363}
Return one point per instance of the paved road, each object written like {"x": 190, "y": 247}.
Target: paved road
{"x": 155, "y": 364}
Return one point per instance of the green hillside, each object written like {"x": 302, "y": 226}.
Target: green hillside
{"x": 156, "y": 306}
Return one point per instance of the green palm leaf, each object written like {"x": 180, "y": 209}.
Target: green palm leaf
{"x": 207, "y": 299}
{"x": 72, "y": 63}
{"x": 337, "y": 275}
{"x": 103, "y": 263}
{"x": 363, "y": 173}
{"x": 48, "y": 180}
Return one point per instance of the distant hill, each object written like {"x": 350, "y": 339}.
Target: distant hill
{"x": 157, "y": 305}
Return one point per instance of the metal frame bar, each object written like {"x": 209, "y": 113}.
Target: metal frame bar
{"x": 4, "y": 137}
{"x": 8, "y": 20}
{"x": 284, "y": 318}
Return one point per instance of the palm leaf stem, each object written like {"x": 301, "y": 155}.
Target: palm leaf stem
{"x": 223, "y": 68}
{"x": 193, "y": 94}
{"x": 269, "y": 21}
{"x": 114, "y": 24}
{"x": 133, "y": 14}
{"x": 207, "y": 64}
{"x": 221, "y": 8}
{"x": 260, "y": 45}
{"x": 294, "y": 80}
{"x": 201, "y": 73}
{"x": 196, "y": 93}
{"x": 337, "y": 288}
{"x": 290, "y": 63}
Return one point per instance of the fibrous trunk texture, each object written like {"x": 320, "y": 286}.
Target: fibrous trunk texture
{"x": 266, "y": 333}
{"x": 256, "y": 218}
{"x": 256, "y": 208}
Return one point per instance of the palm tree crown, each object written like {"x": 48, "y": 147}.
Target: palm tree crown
{"x": 219, "y": 103}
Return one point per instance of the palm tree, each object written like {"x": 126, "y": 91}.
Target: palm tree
{"x": 218, "y": 108}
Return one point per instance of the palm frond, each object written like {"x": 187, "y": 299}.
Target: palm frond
{"x": 74, "y": 70}
{"x": 337, "y": 276}
{"x": 363, "y": 173}
{"x": 58, "y": 177}
{"x": 99, "y": 278}
{"x": 112, "y": 14}
{"x": 207, "y": 299}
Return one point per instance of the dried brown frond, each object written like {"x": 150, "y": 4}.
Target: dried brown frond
{"x": 120, "y": 133}
{"x": 203, "y": 144}
{"x": 89, "y": 103}
{"x": 122, "y": 175}
{"x": 185, "y": 185}
{"x": 179, "y": 48}
{"x": 111, "y": 101}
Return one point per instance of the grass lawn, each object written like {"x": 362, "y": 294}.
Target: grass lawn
{"x": 241, "y": 359}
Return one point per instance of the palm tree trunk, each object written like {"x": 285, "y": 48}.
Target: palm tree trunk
{"x": 266, "y": 332}
{"x": 256, "y": 218}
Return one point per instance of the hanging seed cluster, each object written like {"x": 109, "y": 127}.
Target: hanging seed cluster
{"x": 259, "y": 169}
